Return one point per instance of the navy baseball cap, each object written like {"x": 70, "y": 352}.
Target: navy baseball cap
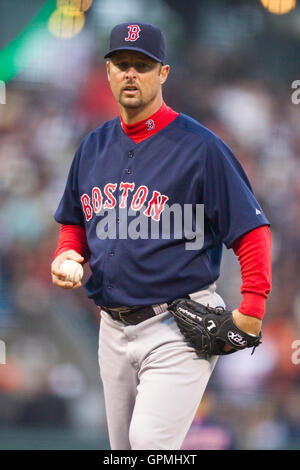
{"x": 140, "y": 37}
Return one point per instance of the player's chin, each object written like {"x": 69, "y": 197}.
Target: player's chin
{"x": 131, "y": 102}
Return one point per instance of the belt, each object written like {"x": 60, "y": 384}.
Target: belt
{"x": 135, "y": 315}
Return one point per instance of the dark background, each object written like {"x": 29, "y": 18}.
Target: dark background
{"x": 232, "y": 68}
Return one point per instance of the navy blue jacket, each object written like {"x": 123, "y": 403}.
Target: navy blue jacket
{"x": 184, "y": 165}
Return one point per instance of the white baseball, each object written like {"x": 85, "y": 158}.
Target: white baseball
{"x": 73, "y": 270}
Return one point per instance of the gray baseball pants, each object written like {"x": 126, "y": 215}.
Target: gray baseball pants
{"x": 153, "y": 381}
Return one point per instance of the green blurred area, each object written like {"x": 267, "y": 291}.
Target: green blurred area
{"x": 11, "y": 61}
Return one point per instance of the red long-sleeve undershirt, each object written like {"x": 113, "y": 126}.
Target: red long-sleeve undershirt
{"x": 254, "y": 254}
{"x": 73, "y": 237}
{"x": 252, "y": 249}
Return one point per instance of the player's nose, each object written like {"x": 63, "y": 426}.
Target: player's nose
{"x": 131, "y": 72}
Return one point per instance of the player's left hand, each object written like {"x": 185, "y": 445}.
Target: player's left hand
{"x": 215, "y": 330}
{"x": 250, "y": 325}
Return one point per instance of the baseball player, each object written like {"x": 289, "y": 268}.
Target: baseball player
{"x": 124, "y": 178}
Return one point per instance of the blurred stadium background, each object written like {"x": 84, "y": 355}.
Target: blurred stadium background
{"x": 233, "y": 64}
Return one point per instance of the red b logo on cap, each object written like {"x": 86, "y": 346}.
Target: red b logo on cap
{"x": 133, "y": 33}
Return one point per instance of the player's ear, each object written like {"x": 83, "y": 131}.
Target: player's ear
{"x": 108, "y": 69}
{"x": 164, "y": 72}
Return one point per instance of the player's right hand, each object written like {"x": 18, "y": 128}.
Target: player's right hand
{"x": 58, "y": 277}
